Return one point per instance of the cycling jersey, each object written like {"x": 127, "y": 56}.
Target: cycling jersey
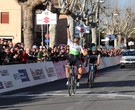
{"x": 74, "y": 52}
{"x": 93, "y": 57}
{"x": 74, "y": 49}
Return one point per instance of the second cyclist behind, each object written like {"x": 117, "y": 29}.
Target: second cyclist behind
{"x": 93, "y": 57}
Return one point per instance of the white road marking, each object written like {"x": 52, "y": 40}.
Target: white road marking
{"x": 57, "y": 91}
{"x": 82, "y": 92}
{"x": 78, "y": 93}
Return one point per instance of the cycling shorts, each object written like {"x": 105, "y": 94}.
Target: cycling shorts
{"x": 74, "y": 60}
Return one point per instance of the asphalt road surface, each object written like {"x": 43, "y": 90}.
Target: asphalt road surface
{"x": 114, "y": 89}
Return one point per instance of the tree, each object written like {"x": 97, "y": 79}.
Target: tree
{"x": 28, "y": 8}
{"x": 84, "y": 11}
{"x": 121, "y": 25}
{"x": 119, "y": 21}
{"x": 74, "y": 9}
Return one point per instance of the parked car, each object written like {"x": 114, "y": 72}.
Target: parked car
{"x": 127, "y": 58}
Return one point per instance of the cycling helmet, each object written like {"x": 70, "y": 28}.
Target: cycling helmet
{"x": 94, "y": 48}
{"x": 77, "y": 37}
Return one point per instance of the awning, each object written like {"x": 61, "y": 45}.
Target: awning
{"x": 6, "y": 37}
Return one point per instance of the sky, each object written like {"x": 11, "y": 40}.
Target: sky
{"x": 122, "y": 4}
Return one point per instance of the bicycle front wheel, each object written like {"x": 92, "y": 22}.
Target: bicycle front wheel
{"x": 74, "y": 83}
{"x": 70, "y": 85}
{"x": 91, "y": 79}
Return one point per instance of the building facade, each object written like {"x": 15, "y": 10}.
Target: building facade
{"x": 10, "y": 20}
{"x": 11, "y": 23}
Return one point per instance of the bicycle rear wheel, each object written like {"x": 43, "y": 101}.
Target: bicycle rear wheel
{"x": 91, "y": 79}
{"x": 70, "y": 85}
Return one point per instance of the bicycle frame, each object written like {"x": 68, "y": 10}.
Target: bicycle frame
{"x": 91, "y": 75}
{"x": 92, "y": 67}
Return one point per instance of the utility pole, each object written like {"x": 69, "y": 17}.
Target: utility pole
{"x": 95, "y": 22}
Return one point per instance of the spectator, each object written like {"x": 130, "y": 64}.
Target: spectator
{"x": 33, "y": 53}
{"x": 1, "y": 43}
{"x": 9, "y": 55}
{"x": 40, "y": 54}
{"x": 25, "y": 55}
{"x": 3, "y": 59}
{"x": 54, "y": 54}
{"x": 46, "y": 55}
{"x": 17, "y": 55}
{"x": 62, "y": 54}
{"x": 10, "y": 45}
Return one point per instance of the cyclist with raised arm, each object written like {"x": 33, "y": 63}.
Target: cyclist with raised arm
{"x": 74, "y": 51}
{"x": 93, "y": 57}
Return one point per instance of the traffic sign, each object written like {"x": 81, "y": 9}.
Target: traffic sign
{"x": 110, "y": 37}
{"x": 46, "y": 17}
{"x": 130, "y": 43}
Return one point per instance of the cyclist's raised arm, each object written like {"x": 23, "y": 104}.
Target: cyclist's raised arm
{"x": 69, "y": 37}
{"x": 68, "y": 33}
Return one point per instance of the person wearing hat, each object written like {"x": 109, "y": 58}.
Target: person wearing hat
{"x": 40, "y": 54}
{"x": 74, "y": 52}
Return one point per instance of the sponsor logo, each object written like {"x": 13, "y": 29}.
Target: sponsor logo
{"x": 23, "y": 75}
{"x": 17, "y": 76}
{"x": 50, "y": 71}
{"x": 8, "y": 84}
{"x": 37, "y": 74}
{"x": 1, "y": 85}
{"x": 46, "y": 20}
{"x": 4, "y": 72}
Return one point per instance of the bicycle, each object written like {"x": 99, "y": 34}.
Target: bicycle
{"x": 91, "y": 75}
{"x": 72, "y": 80}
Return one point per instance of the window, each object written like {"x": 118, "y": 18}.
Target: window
{"x": 5, "y": 17}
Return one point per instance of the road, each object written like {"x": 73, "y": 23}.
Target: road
{"x": 114, "y": 89}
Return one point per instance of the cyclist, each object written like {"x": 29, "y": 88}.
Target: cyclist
{"x": 74, "y": 51}
{"x": 93, "y": 57}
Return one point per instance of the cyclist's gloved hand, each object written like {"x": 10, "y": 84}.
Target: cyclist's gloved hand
{"x": 97, "y": 64}
{"x": 68, "y": 26}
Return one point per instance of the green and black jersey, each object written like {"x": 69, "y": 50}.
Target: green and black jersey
{"x": 74, "y": 49}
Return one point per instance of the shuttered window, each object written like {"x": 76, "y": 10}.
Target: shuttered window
{"x": 5, "y": 17}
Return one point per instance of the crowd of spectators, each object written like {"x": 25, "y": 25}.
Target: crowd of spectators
{"x": 112, "y": 52}
{"x": 17, "y": 53}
